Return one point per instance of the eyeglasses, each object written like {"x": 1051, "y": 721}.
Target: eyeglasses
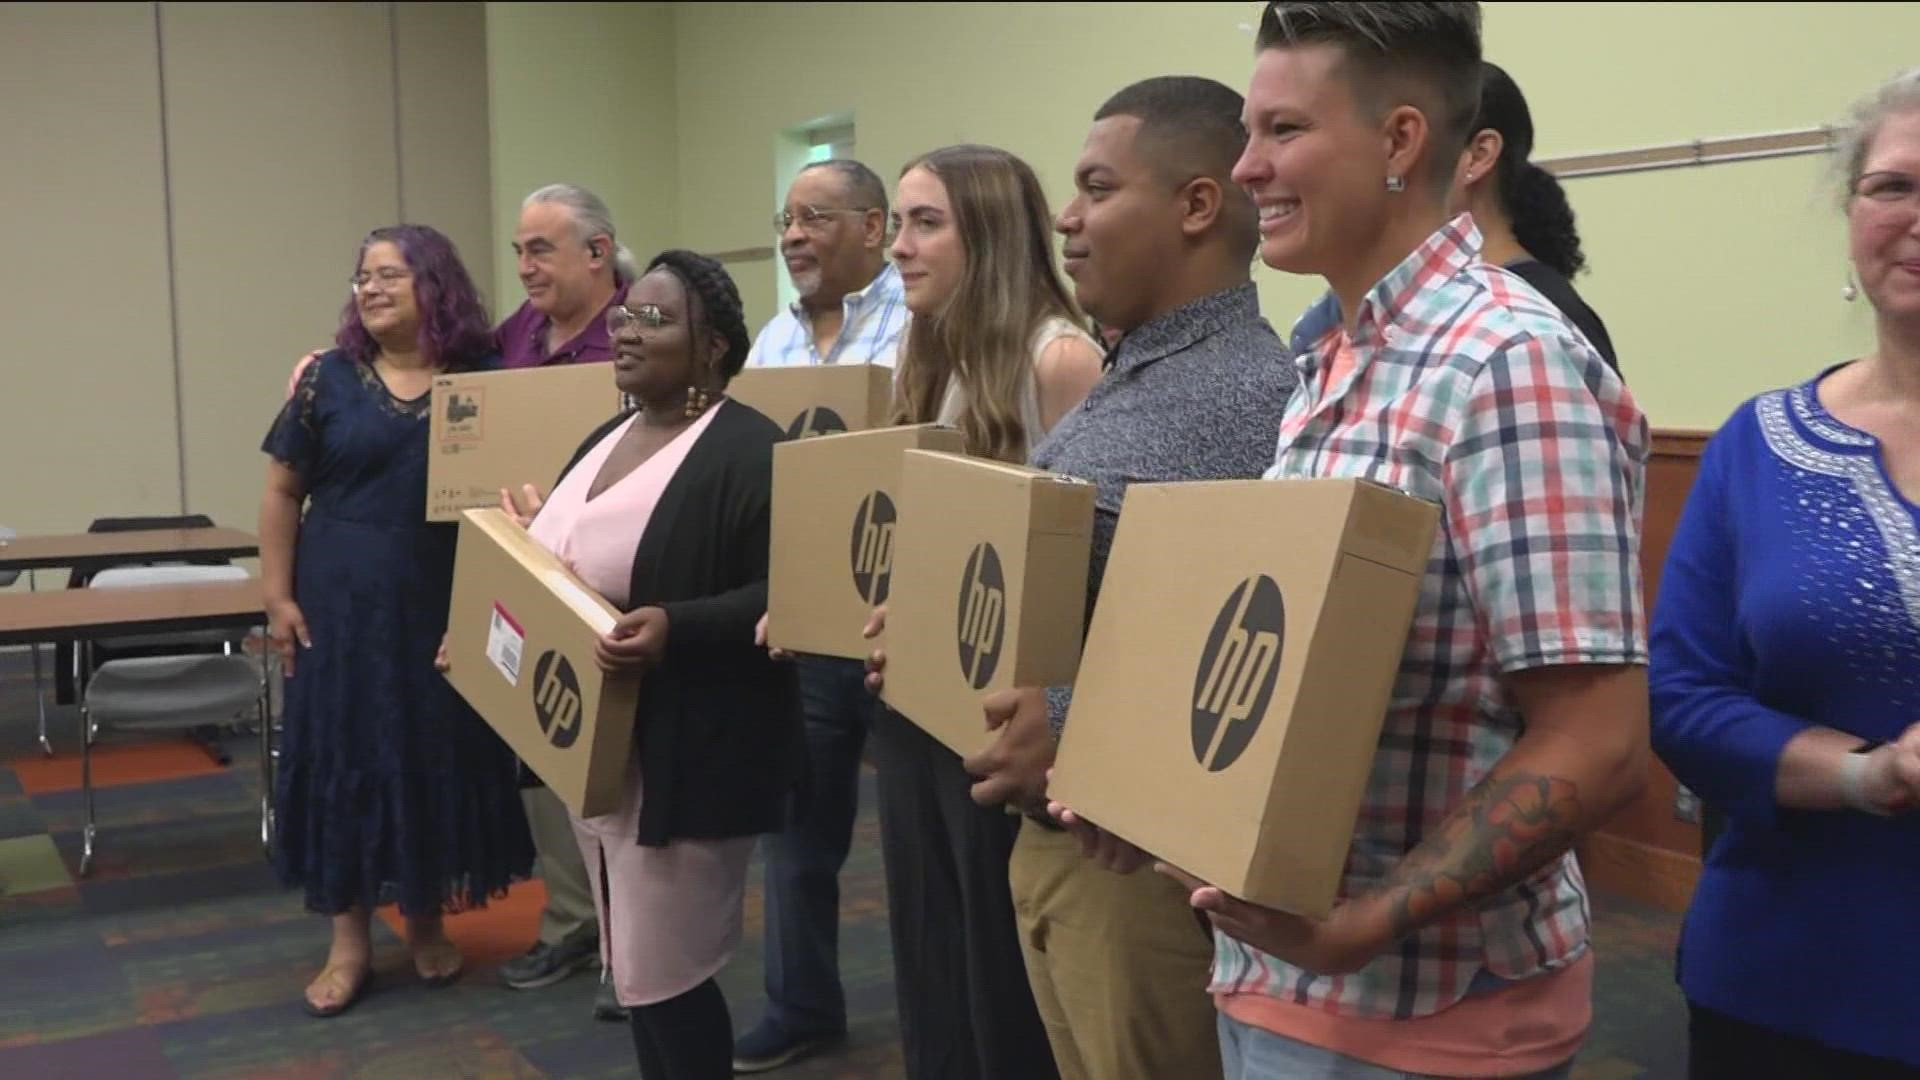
{"x": 387, "y": 276}
{"x": 813, "y": 218}
{"x": 620, "y": 316}
{"x": 1887, "y": 187}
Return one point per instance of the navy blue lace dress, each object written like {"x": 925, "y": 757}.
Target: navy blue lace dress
{"x": 390, "y": 788}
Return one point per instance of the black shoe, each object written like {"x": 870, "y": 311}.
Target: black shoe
{"x": 544, "y": 964}
{"x": 606, "y": 1004}
{"x": 770, "y": 1046}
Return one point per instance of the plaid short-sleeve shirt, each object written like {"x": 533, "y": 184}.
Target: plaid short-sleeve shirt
{"x": 1461, "y": 384}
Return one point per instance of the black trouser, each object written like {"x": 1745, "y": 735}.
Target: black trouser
{"x": 1723, "y": 1048}
{"x": 966, "y": 1008}
{"x": 689, "y": 1037}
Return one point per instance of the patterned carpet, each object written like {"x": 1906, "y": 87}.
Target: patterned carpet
{"x": 182, "y": 957}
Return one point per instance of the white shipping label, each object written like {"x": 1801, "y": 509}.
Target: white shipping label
{"x": 505, "y": 642}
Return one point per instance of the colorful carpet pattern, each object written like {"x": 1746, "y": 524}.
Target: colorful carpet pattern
{"x": 182, "y": 957}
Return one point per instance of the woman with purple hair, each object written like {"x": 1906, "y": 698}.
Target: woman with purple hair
{"x": 389, "y": 789}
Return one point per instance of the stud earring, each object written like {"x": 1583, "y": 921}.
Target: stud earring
{"x": 1849, "y": 292}
{"x": 1396, "y": 184}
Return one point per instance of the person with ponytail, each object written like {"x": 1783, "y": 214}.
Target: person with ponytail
{"x": 1521, "y": 209}
{"x": 664, "y": 511}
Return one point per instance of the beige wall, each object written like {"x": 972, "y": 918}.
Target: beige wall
{"x": 264, "y": 167}
{"x": 446, "y": 152}
{"x": 191, "y": 181}
{"x": 1715, "y": 282}
{"x": 87, "y": 410}
{"x": 288, "y": 130}
{"x": 583, "y": 94}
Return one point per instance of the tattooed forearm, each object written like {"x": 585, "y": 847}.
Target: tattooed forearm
{"x": 1508, "y": 827}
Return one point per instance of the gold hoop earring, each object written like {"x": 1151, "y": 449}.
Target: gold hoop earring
{"x": 698, "y": 402}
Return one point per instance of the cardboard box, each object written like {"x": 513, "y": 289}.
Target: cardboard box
{"x": 1237, "y": 674}
{"x": 835, "y": 525}
{"x": 502, "y": 429}
{"x": 520, "y": 635}
{"x": 989, "y": 588}
{"x": 822, "y": 399}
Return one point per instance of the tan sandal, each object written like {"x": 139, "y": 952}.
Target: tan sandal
{"x": 355, "y": 990}
{"x": 445, "y": 978}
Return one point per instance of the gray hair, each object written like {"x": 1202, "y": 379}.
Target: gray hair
{"x": 862, "y": 183}
{"x": 591, "y": 215}
{"x": 1896, "y": 96}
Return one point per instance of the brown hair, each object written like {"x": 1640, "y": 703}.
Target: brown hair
{"x": 1009, "y": 287}
{"x": 1393, "y": 51}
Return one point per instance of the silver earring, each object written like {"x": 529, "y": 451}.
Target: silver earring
{"x": 1849, "y": 292}
{"x": 1396, "y": 184}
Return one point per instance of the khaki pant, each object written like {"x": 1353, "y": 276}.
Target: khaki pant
{"x": 569, "y": 914}
{"x": 1119, "y": 965}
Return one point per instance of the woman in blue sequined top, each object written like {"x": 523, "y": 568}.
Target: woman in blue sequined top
{"x": 1786, "y": 677}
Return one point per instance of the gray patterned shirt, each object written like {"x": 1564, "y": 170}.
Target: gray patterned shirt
{"x": 1195, "y": 394}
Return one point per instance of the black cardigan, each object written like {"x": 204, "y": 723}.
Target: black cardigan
{"x": 718, "y": 728}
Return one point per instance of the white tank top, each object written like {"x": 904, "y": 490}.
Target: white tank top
{"x": 1050, "y": 331}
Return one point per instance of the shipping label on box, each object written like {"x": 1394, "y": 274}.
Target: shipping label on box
{"x": 835, "y": 528}
{"x": 1238, "y": 670}
{"x": 502, "y": 429}
{"x": 520, "y": 638}
{"x": 989, "y": 589}
{"x": 818, "y": 399}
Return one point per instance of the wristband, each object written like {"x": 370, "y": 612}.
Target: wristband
{"x": 1853, "y": 787}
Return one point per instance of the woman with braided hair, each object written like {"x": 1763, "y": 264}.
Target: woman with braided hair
{"x": 1523, "y": 214}
{"x": 664, "y": 510}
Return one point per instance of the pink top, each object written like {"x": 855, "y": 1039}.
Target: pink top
{"x": 670, "y": 917}
{"x": 596, "y": 537}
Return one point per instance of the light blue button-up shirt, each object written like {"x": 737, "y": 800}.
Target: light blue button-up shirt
{"x": 875, "y": 318}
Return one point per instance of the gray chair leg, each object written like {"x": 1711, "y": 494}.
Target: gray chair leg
{"x": 266, "y": 772}
{"x": 86, "y": 788}
{"x": 40, "y": 700}
{"x": 39, "y": 689}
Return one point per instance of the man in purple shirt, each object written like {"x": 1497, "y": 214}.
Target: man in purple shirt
{"x": 573, "y": 270}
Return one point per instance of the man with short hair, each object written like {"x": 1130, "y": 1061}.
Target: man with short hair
{"x": 833, "y": 236}
{"x": 833, "y": 239}
{"x": 1159, "y": 243}
{"x": 1518, "y": 720}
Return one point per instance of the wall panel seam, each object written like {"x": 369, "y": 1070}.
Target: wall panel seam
{"x": 173, "y": 269}
{"x": 399, "y": 149}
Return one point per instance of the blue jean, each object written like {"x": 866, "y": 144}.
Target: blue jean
{"x": 1250, "y": 1053}
{"x": 804, "y": 995}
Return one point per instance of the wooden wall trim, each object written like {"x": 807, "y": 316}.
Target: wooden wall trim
{"x": 1652, "y": 875}
{"x": 1708, "y": 151}
{"x": 1679, "y": 442}
{"x": 1647, "y": 852}
{"x": 743, "y": 255}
